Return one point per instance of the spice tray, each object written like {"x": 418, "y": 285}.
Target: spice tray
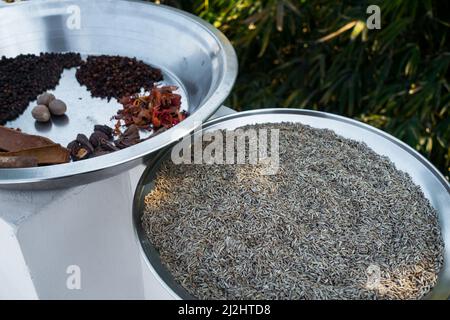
{"x": 434, "y": 186}
{"x": 193, "y": 55}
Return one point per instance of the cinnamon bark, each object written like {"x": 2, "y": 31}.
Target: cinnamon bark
{"x": 18, "y": 162}
{"x": 47, "y": 155}
{"x": 13, "y": 140}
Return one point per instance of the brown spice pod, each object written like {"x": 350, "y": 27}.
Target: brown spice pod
{"x": 12, "y": 140}
{"x": 47, "y": 155}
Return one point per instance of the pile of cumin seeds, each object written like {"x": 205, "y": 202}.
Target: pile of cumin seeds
{"x": 335, "y": 212}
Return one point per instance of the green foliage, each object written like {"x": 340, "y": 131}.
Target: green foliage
{"x": 319, "y": 54}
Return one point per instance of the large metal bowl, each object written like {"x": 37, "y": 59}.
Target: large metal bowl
{"x": 434, "y": 186}
{"x": 192, "y": 54}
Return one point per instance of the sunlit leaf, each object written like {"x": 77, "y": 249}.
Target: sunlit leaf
{"x": 280, "y": 16}
{"x": 359, "y": 27}
{"x": 341, "y": 30}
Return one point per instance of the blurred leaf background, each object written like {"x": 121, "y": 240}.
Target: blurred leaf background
{"x": 319, "y": 54}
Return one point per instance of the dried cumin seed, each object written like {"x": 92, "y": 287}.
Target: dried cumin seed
{"x": 310, "y": 232}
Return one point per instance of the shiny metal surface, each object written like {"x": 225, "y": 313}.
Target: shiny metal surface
{"x": 192, "y": 54}
{"x": 434, "y": 186}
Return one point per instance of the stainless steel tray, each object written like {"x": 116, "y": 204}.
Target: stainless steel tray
{"x": 435, "y": 187}
{"x": 192, "y": 54}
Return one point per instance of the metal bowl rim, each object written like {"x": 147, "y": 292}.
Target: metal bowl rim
{"x": 17, "y": 177}
{"x": 147, "y": 250}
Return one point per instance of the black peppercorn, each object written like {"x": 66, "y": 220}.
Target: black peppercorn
{"x": 24, "y": 77}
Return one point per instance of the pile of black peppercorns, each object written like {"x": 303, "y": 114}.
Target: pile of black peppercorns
{"x": 24, "y": 77}
{"x": 116, "y": 76}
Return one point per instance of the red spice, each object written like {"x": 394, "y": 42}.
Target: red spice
{"x": 151, "y": 112}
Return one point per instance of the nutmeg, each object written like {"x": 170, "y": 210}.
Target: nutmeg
{"x": 41, "y": 113}
{"x": 45, "y": 98}
{"x": 57, "y": 107}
